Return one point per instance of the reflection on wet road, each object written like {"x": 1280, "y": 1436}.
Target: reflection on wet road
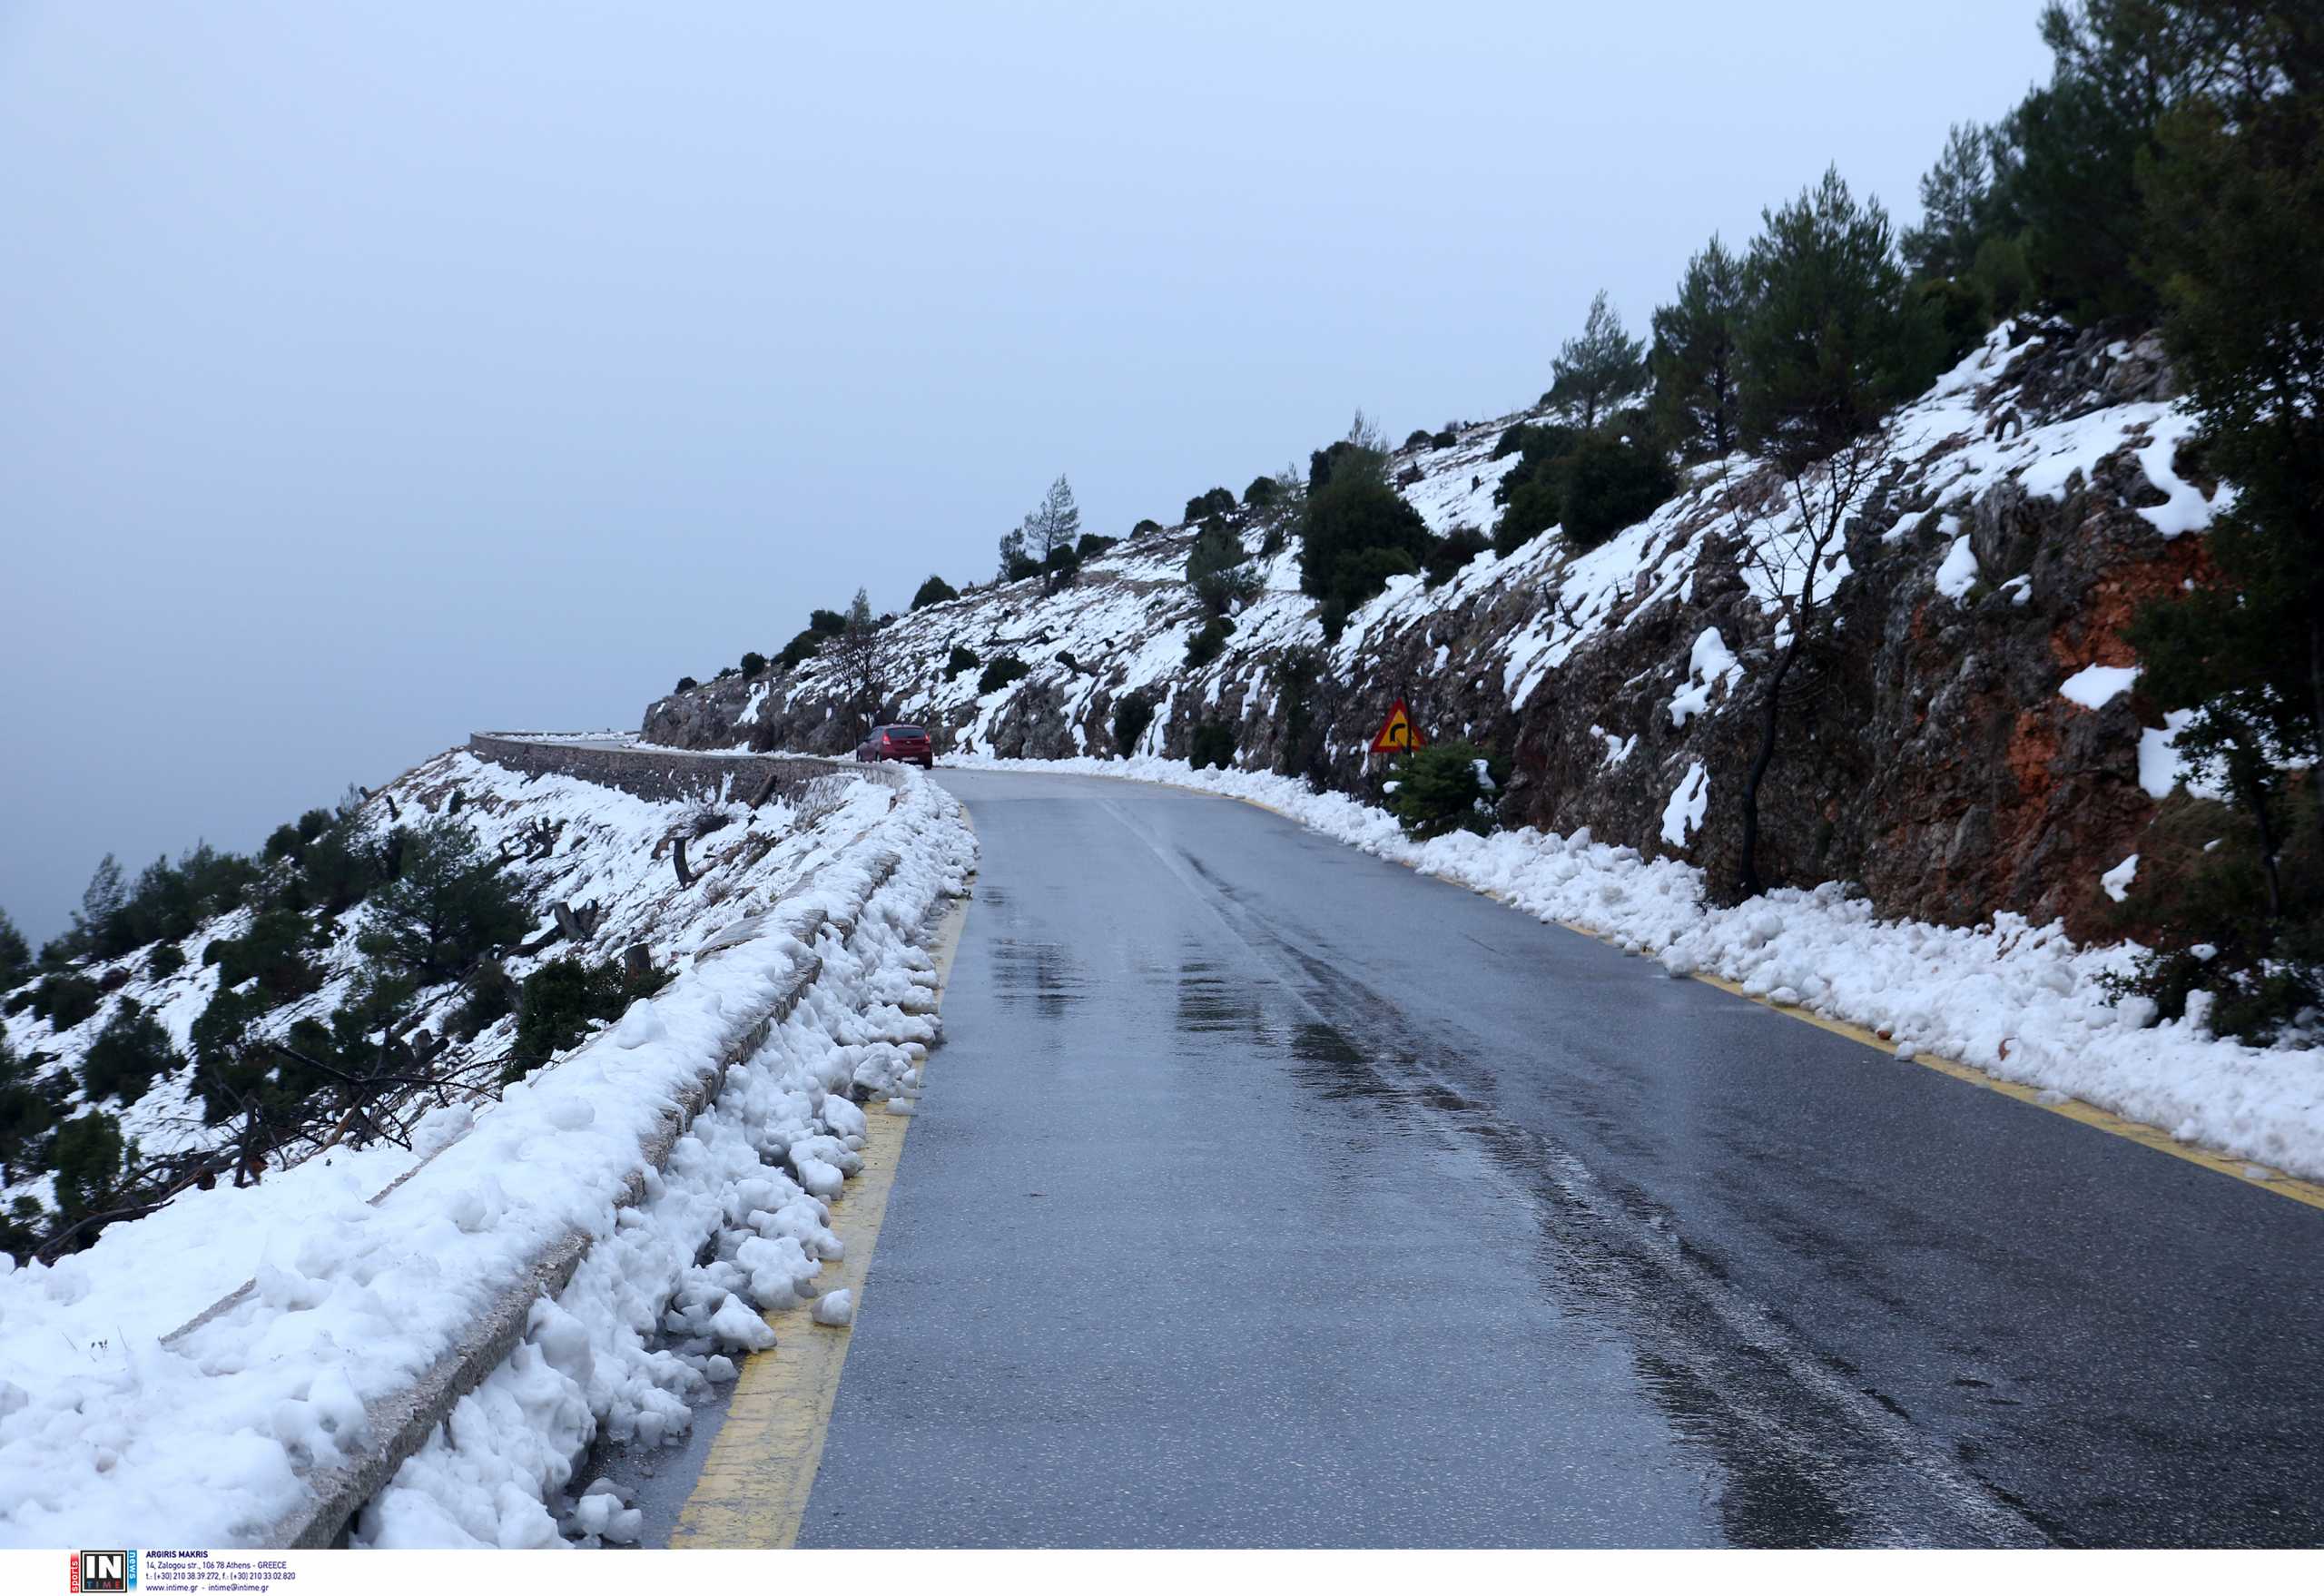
{"x": 1268, "y": 1195}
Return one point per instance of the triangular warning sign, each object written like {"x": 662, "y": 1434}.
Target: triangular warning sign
{"x": 1397, "y": 732}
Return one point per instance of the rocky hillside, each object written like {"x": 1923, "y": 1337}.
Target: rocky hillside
{"x": 1968, "y": 739}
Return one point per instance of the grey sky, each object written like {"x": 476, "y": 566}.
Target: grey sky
{"x": 373, "y": 372}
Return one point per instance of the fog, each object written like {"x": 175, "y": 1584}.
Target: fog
{"x": 372, "y": 373}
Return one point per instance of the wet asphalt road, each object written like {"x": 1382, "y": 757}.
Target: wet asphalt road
{"x": 1265, "y": 1194}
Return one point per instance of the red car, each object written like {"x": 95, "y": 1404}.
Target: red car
{"x": 908, "y": 743}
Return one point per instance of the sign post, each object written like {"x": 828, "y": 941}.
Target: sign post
{"x": 1398, "y": 733}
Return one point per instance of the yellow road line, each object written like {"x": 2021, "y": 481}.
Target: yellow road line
{"x": 754, "y": 1487}
{"x": 2073, "y": 1109}
{"x": 2248, "y": 1171}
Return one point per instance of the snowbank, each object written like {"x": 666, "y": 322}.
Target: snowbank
{"x": 112, "y": 1425}
{"x": 2020, "y": 1001}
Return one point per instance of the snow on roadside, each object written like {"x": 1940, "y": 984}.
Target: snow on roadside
{"x": 2020, "y": 1001}
{"x": 201, "y": 1439}
{"x": 643, "y": 1331}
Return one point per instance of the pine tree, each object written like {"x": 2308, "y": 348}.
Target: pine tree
{"x": 1695, "y": 362}
{"x": 1054, "y": 524}
{"x": 1825, "y": 346}
{"x": 1956, "y": 206}
{"x": 2235, "y": 196}
{"x": 1016, "y": 562}
{"x": 16, "y": 953}
{"x": 101, "y": 903}
{"x": 447, "y": 905}
{"x": 1595, "y": 372}
{"x": 859, "y": 657}
{"x": 2066, "y": 181}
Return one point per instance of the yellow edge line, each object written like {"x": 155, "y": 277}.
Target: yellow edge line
{"x": 2081, "y": 1113}
{"x": 2147, "y": 1136}
{"x": 2248, "y": 1171}
{"x": 754, "y": 1487}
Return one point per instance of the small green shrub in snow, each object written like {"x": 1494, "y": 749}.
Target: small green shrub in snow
{"x": 337, "y": 871}
{"x": 87, "y": 1160}
{"x": 128, "y": 1054}
{"x": 491, "y": 997}
{"x": 1356, "y": 532}
{"x": 28, "y": 1107}
{"x": 22, "y": 1228}
{"x": 1613, "y": 480}
{"x": 1219, "y": 501}
{"x": 1216, "y": 568}
{"x": 1452, "y": 553}
{"x": 272, "y": 950}
{"x": 1209, "y": 643}
{"x": 1213, "y": 747}
{"x": 64, "y": 1000}
{"x": 1445, "y": 787}
{"x": 561, "y": 998}
{"x": 1004, "y": 669}
{"x": 1133, "y": 712}
{"x": 800, "y": 647}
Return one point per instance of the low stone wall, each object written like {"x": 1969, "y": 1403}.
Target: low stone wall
{"x": 663, "y": 775}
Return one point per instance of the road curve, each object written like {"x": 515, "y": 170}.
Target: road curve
{"x": 1266, "y": 1194}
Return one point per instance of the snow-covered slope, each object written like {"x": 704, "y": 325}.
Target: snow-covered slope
{"x": 2025, "y": 506}
{"x": 608, "y": 850}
